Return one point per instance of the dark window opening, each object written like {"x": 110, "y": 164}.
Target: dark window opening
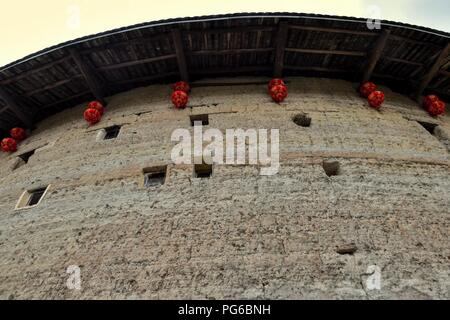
{"x": 112, "y": 132}
{"x": 35, "y": 196}
{"x": 331, "y": 168}
{"x": 26, "y": 156}
{"x": 203, "y": 171}
{"x": 428, "y": 126}
{"x": 155, "y": 177}
{"x": 203, "y": 118}
{"x": 302, "y": 120}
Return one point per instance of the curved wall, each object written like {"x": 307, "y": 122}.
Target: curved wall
{"x": 237, "y": 234}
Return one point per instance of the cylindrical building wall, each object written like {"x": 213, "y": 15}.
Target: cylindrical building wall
{"x": 237, "y": 234}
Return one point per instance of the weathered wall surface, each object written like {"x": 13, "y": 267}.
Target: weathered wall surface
{"x": 237, "y": 234}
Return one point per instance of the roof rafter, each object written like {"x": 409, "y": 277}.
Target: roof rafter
{"x": 92, "y": 79}
{"x": 280, "y": 45}
{"x": 432, "y": 71}
{"x": 375, "y": 55}
{"x": 181, "y": 57}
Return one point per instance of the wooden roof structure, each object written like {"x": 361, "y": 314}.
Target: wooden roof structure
{"x": 413, "y": 59}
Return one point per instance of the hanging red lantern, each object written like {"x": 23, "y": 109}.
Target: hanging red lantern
{"x": 182, "y": 86}
{"x": 92, "y": 116}
{"x": 367, "y": 88}
{"x": 180, "y": 99}
{"x": 18, "y": 134}
{"x": 9, "y": 145}
{"x": 278, "y": 93}
{"x": 428, "y": 100}
{"x": 436, "y": 108}
{"x": 276, "y": 82}
{"x": 376, "y": 99}
{"x": 98, "y": 106}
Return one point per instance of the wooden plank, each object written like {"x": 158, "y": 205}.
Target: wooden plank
{"x": 135, "y": 62}
{"x": 181, "y": 58}
{"x": 147, "y": 78}
{"x": 14, "y": 107}
{"x": 89, "y": 75}
{"x": 418, "y": 64}
{"x": 432, "y": 71}
{"x": 375, "y": 55}
{"x": 229, "y": 51}
{"x": 280, "y": 45}
{"x": 336, "y": 52}
{"x": 35, "y": 70}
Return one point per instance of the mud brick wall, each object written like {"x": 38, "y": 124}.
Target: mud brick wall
{"x": 236, "y": 234}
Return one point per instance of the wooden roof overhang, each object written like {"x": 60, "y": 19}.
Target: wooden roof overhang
{"x": 413, "y": 59}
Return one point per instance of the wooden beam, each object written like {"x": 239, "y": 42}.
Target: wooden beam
{"x": 52, "y": 85}
{"x": 334, "y": 30}
{"x": 432, "y": 72}
{"x": 147, "y": 78}
{"x": 231, "y": 70}
{"x": 135, "y": 62}
{"x": 418, "y": 64}
{"x": 13, "y": 107}
{"x": 182, "y": 65}
{"x": 81, "y": 94}
{"x": 375, "y": 54}
{"x": 445, "y": 73}
{"x": 35, "y": 70}
{"x": 230, "y": 30}
{"x": 336, "y": 52}
{"x": 280, "y": 45}
{"x": 319, "y": 69}
{"x": 89, "y": 75}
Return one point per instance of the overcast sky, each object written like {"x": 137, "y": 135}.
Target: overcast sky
{"x": 28, "y": 26}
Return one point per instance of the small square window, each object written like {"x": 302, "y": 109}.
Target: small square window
{"x": 203, "y": 118}
{"x": 31, "y": 198}
{"x": 26, "y": 156}
{"x": 155, "y": 176}
{"x": 112, "y": 132}
{"x": 203, "y": 170}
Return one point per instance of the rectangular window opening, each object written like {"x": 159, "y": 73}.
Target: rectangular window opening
{"x": 31, "y": 198}
{"x": 428, "y": 126}
{"x": 203, "y": 118}
{"x": 331, "y": 168}
{"x": 26, "y": 156}
{"x": 112, "y": 132}
{"x": 155, "y": 176}
{"x": 203, "y": 171}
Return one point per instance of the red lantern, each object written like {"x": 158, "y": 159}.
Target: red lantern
{"x": 376, "y": 99}
{"x": 18, "y": 134}
{"x": 98, "y": 106}
{"x": 9, "y": 145}
{"x": 276, "y": 82}
{"x": 278, "y": 93}
{"x": 92, "y": 116}
{"x": 428, "y": 100}
{"x": 182, "y": 86}
{"x": 180, "y": 99}
{"x": 436, "y": 108}
{"x": 367, "y": 88}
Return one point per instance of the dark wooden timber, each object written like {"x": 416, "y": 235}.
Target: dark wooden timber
{"x": 375, "y": 55}
{"x": 280, "y": 41}
{"x": 181, "y": 58}
{"x": 337, "y": 52}
{"x": 432, "y": 71}
{"x": 91, "y": 78}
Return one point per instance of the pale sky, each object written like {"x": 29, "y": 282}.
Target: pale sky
{"x": 28, "y": 26}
